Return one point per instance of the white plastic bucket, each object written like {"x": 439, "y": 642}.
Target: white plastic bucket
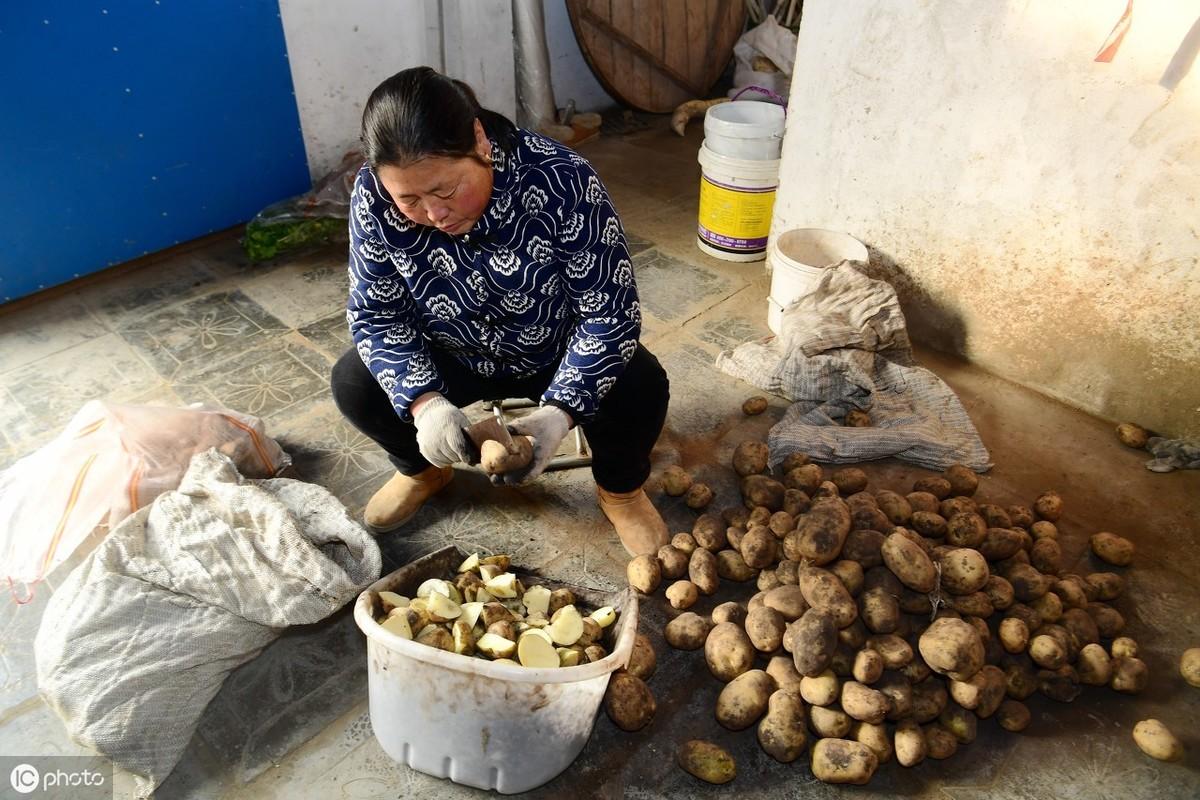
{"x": 491, "y": 726}
{"x": 746, "y": 129}
{"x": 774, "y": 315}
{"x": 736, "y": 200}
{"x": 798, "y": 258}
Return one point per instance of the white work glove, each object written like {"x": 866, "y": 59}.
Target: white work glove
{"x": 441, "y": 433}
{"x": 548, "y": 425}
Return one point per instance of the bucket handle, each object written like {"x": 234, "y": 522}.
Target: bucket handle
{"x": 760, "y": 90}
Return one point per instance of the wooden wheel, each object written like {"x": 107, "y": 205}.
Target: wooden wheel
{"x": 655, "y": 54}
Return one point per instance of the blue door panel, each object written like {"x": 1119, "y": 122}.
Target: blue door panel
{"x": 129, "y": 126}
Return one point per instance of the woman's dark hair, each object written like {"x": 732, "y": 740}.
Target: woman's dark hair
{"x": 419, "y": 113}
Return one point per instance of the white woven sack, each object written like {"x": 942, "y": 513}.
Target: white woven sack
{"x": 141, "y": 635}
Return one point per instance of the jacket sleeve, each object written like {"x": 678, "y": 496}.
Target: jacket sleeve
{"x": 381, "y": 312}
{"x": 600, "y": 287}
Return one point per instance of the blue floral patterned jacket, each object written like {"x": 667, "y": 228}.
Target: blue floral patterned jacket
{"x": 542, "y": 279}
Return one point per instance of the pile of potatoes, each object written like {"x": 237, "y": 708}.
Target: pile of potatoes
{"x": 488, "y": 612}
{"x": 886, "y": 625}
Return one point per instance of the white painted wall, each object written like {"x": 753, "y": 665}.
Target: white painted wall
{"x": 340, "y": 51}
{"x": 477, "y": 45}
{"x": 1037, "y": 211}
{"x": 569, "y": 72}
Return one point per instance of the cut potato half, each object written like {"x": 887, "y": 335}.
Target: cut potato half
{"x": 398, "y": 624}
{"x": 537, "y": 652}
{"x": 503, "y": 586}
{"x": 390, "y": 600}
{"x": 434, "y": 585}
{"x": 566, "y": 626}
{"x": 604, "y": 616}
{"x": 496, "y": 646}
{"x": 540, "y": 633}
{"x": 537, "y": 599}
{"x": 471, "y": 612}
{"x": 443, "y": 609}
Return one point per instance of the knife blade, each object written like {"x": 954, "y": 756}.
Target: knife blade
{"x": 505, "y": 437}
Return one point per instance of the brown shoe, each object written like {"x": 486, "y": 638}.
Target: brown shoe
{"x": 400, "y": 498}
{"x": 636, "y": 520}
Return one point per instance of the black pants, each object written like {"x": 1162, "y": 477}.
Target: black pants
{"x": 621, "y": 435}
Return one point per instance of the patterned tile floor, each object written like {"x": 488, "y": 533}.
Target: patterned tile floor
{"x": 205, "y": 325}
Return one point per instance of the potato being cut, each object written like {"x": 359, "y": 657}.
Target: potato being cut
{"x": 489, "y": 571}
{"x": 568, "y": 657}
{"x": 503, "y": 586}
{"x": 566, "y": 626}
{"x": 496, "y": 646}
{"x": 535, "y": 651}
{"x": 496, "y": 459}
{"x": 398, "y": 624}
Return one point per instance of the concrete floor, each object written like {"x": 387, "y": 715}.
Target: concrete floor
{"x": 293, "y": 723}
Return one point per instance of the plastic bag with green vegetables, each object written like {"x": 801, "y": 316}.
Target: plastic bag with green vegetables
{"x": 315, "y": 217}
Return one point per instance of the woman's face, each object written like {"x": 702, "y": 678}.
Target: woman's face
{"x": 447, "y": 193}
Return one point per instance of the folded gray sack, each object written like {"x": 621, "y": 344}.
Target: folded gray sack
{"x": 845, "y": 346}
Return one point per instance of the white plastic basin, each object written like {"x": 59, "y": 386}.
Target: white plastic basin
{"x": 491, "y": 726}
{"x": 798, "y": 258}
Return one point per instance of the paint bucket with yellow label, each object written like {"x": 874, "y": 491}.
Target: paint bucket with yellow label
{"x": 737, "y": 196}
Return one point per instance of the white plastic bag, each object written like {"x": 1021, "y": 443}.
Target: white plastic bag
{"x": 768, "y": 39}
{"x": 108, "y": 462}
